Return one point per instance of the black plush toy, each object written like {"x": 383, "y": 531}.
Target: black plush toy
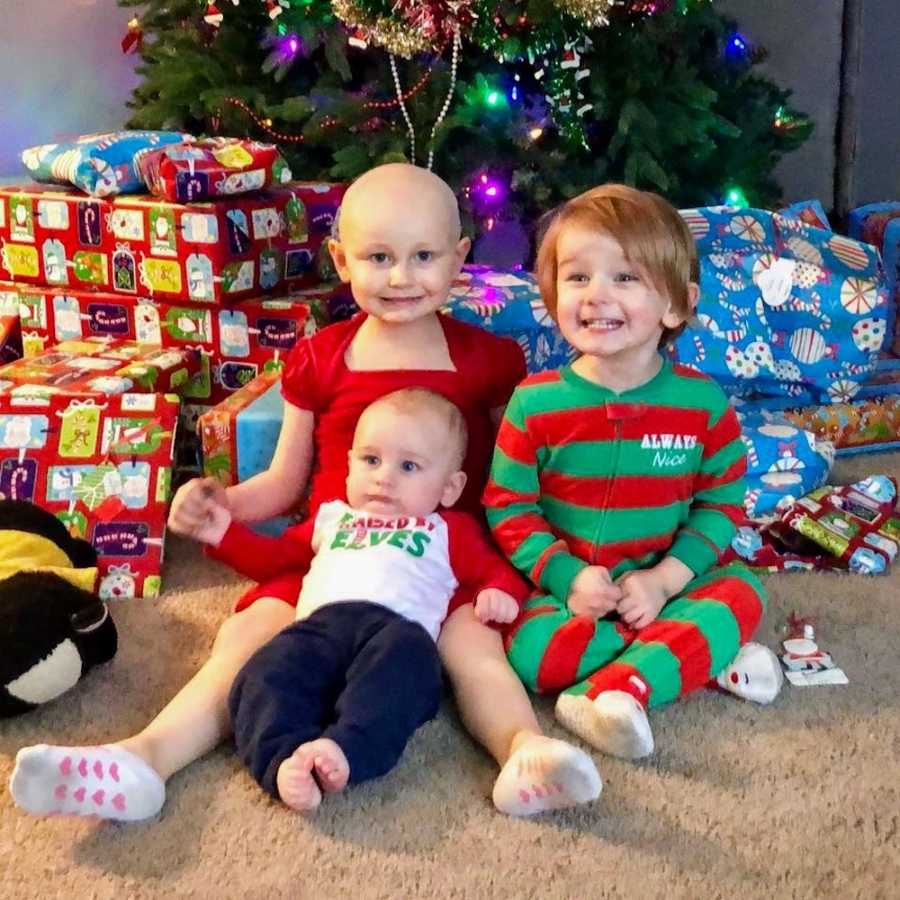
{"x": 53, "y": 628}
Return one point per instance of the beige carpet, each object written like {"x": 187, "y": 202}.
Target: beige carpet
{"x": 799, "y": 799}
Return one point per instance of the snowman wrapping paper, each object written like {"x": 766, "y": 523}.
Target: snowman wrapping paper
{"x": 103, "y": 466}
{"x": 786, "y": 310}
{"x": 213, "y": 252}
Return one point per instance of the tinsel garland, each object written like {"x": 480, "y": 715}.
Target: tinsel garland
{"x": 407, "y": 27}
{"x": 593, "y": 13}
{"x": 393, "y": 35}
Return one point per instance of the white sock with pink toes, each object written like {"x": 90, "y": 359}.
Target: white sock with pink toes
{"x": 109, "y": 782}
{"x": 546, "y": 774}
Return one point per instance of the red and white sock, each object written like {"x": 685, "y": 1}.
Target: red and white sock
{"x": 109, "y": 782}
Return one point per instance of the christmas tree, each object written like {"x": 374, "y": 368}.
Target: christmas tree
{"x": 518, "y": 105}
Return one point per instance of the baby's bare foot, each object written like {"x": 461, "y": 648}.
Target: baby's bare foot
{"x": 313, "y": 767}
{"x": 296, "y": 785}
{"x": 330, "y": 765}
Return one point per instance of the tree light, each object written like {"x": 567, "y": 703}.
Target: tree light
{"x": 734, "y": 196}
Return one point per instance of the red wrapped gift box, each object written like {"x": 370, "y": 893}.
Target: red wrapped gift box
{"x": 99, "y": 366}
{"x": 104, "y": 467}
{"x": 210, "y": 168}
{"x": 203, "y": 252}
{"x": 237, "y": 342}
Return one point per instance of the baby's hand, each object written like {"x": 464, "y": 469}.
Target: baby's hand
{"x": 643, "y": 597}
{"x": 494, "y": 605}
{"x": 198, "y": 510}
{"x": 593, "y": 593}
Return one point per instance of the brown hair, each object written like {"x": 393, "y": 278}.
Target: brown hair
{"x": 414, "y": 399}
{"x": 649, "y": 229}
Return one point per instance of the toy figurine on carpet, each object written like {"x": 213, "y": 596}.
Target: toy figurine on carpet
{"x": 53, "y": 627}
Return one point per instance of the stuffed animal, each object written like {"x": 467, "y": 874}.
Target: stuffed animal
{"x": 53, "y": 627}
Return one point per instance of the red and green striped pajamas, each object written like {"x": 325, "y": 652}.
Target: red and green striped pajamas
{"x": 584, "y": 476}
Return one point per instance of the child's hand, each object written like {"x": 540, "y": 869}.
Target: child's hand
{"x": 643, "y": 596}
{"x": 593, "y": 593}
{"x": 197, "y": 505}
{"x": 494, "y": 605}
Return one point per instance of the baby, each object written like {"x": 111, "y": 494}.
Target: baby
{"x": 334, "y": 698}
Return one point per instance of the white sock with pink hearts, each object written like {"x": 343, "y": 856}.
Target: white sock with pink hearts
{"x": 543, "y": 774}
{"x": 109, "y": 782}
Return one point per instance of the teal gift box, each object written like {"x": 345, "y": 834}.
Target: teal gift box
{"x": 239, "y": 435}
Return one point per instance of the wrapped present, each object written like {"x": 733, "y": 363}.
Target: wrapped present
{"x": 204, "y": 252}
{"x": 857, "y": 426}
{"x": 784, "y": 462}
{"x": 851, "y": 527}
{"x": 878, "y": 224}
{"x": 239, "y": 435}
{"x": 99, "y": 367}
{"x": 809, "y": 211}
{"x": 509, "y": 303}
{"x": 237, "y": 342}
{"x": 99, "y": 164}
{"x": 10, "y": 329}
{"x": 853, "y": 523}
{"x": 211, "y": 168}
{"x": 786, "y": 310}
{"x": 103, "y": 466}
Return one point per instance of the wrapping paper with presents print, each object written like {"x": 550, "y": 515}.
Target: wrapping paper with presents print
{"x": 101, "y": 465}
{"x": 509, "y": 303}
{"x": 784, "y": 462}
{"x": 101, "y": 367}
{"x": 202, "y": 252}
{"x": 210, "y": 168}
{"x": 239, "y": 435}
{"x": 879, "y": 224}
{"x": 846, "y": 528}
{"x": 785, "y": 309}
{"x": 236, "y": 342}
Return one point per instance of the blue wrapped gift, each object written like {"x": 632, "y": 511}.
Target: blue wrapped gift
{"x": 784, "y": 462}
{"x": 878, "y": 224}
{"x": 509, "y": 303}
{"x": 786, "y": 310}
{"x": 99, "y": 164}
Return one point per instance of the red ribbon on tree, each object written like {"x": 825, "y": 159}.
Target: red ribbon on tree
{"x": 436, "y": 20}
{"x": 134, "y": 38}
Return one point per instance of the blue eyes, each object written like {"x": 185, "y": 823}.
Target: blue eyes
{"x": 407, "y": 465}
{"x": 422, "y": 256}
